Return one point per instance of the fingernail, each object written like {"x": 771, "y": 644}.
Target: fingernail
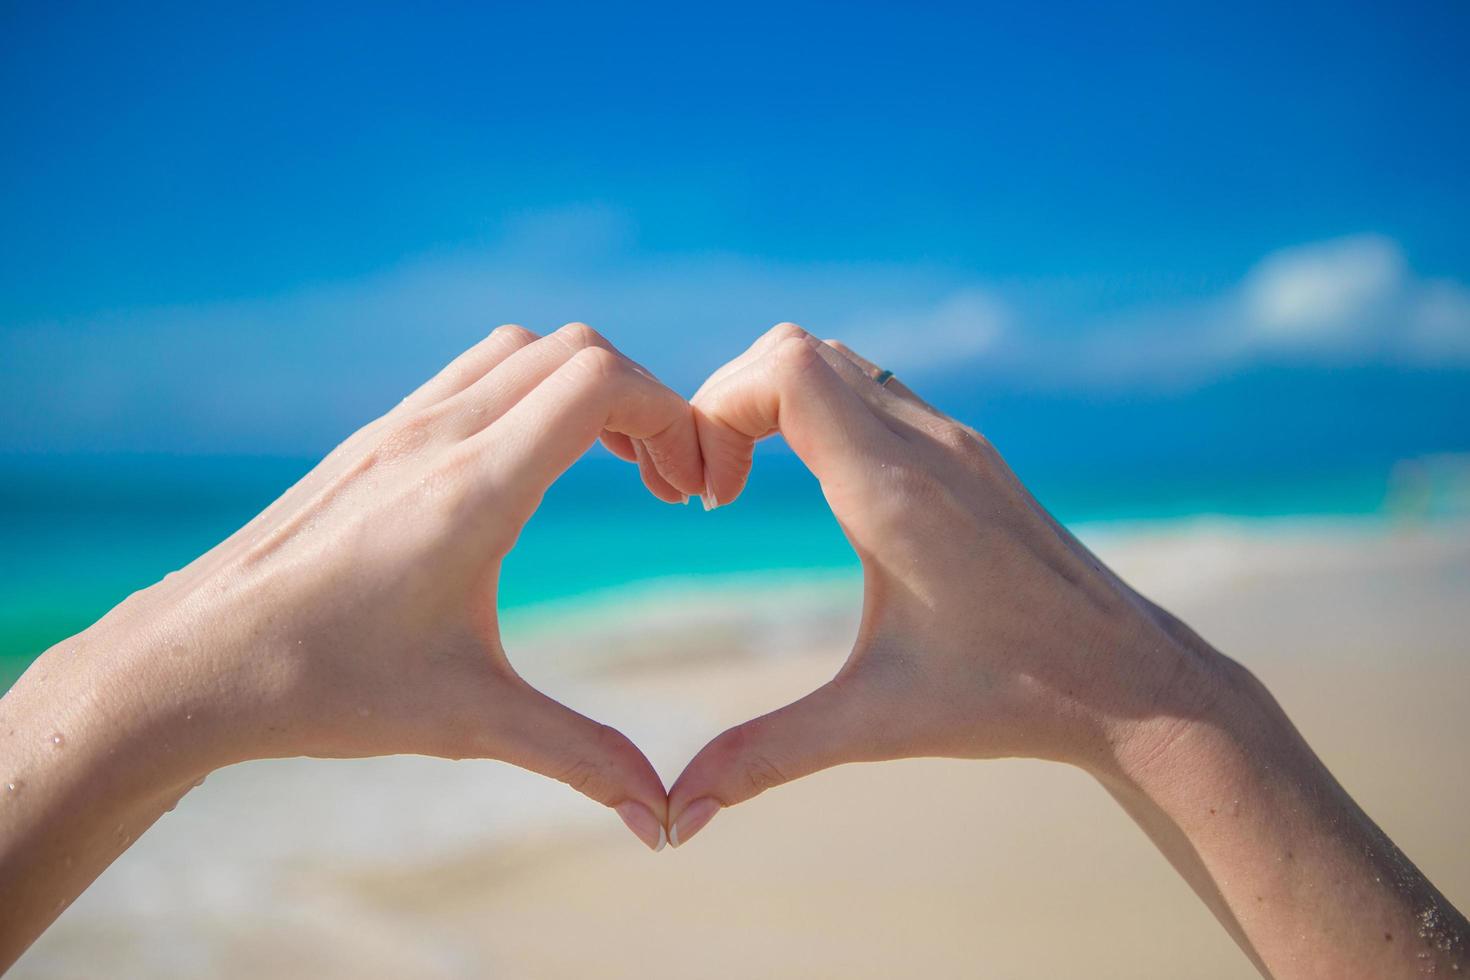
{"x": 686, "y": 500}
{"x": 709, "y": 501}
{"x": 693, "y": 819}
{"x": 644, "y": 825}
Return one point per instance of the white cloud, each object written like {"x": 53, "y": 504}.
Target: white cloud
{"x": 1343, "y": 301}
{"x": 962, "y": 327}
{"x": 1351, "y": 299}
{"x": 1317, "y": 293}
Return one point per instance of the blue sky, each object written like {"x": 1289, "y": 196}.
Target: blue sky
{"x": 248, "y": 231}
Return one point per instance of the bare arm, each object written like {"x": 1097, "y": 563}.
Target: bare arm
{"x": 354, "y": 617}
{"x": 1302, "y": 878}
{"x": 989, "y": 631}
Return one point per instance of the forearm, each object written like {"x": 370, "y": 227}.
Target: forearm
{"x": 91, "y": 757}
{"x": 1295, "y": 870}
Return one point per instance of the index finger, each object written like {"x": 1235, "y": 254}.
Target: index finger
{"x": 544, "y": 433}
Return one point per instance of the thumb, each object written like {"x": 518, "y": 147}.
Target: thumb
{"x": 823, "y": 729}
{"x": 594, "y": 759}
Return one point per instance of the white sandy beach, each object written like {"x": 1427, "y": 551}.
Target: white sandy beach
{"x": 1014, "y": 869}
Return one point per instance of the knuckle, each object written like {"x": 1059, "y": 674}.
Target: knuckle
{"x": 794, "y": 357}
{"x": 785, "y": 331}
{"x": 578, "y": 335}
{"x": 583, "y": 775}
{"x": 598, "y": 363}
{"x": 754, "y": 769}
{"x": 511, "y": 333}
{"x": 659, "y": 455}
{"x": 411, "y": 434}
{"x": 759, "y": 773}
{"x": 964, "y": 442}
{"x": 953, "y": 436}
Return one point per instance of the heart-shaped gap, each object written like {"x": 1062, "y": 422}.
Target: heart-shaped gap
{"x": 672, "y": 624}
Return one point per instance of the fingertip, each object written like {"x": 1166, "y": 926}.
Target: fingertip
{"x": 645, "y": 826}
{"x": 681, "y": 459}
{"x": 727, "y": 457}
{"x": 619, "y": 445}
{"x": 653, "y": 476}
{"x": 694, "y": 818}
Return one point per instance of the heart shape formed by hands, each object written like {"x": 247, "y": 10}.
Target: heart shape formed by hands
{"x": 367, "y": 591}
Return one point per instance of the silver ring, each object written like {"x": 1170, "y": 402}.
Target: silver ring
{"x": 882, "y": 376}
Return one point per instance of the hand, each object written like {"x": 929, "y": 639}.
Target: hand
{"x": 987, "y": 629}
{"x": 356, "y": 616}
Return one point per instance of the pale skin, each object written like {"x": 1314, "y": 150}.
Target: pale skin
{"x": 356, "y": 617}
{"x": 353, "y": 617}
{"x": 989, "y": 631}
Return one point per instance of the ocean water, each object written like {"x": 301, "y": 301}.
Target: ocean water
{"x": 78, "y": 534}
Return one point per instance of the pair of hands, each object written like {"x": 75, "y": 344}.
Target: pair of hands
{"x": 356, "y": 616}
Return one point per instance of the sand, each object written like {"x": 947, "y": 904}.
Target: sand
{"x": 414, "y": 867}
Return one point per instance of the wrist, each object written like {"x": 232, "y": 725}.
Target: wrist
{"x": 1194, "y": 710}
{"x": 91, "y": 757}
{"x": 123, "y": 692}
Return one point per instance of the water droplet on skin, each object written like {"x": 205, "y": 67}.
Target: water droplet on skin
{"x": 58, "y": 739}
{"x": 189, "y": 716}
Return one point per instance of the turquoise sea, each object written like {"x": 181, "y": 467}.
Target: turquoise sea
{"x": 77, "y": 534}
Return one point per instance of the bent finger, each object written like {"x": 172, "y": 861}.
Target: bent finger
{"x": 619, "y": 445}
{"x": 784, "y": 330}
{"x": 652, "y": 478}
{"x": 792, "y": 389}
{"x": 539, "y": 437}
{"x": 516, "y": 376}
